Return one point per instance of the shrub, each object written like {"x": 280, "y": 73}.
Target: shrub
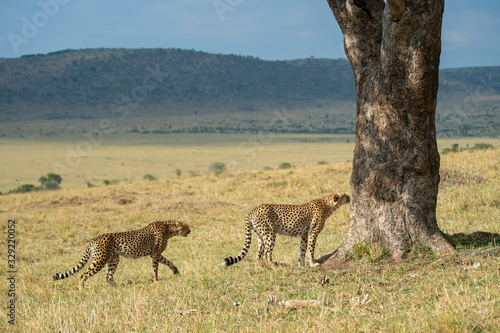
{"x": 25, "y": 188}
{"x": 178, "y": 172}
{"x": 50, "y": 182}
{"x": 217, "y": 168}
{"x": 285, "y": 165}
{"x": 480, "y": 146}
{"x": 149, "y": 177}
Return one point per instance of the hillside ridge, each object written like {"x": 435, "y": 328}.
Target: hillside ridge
{"x": 95, "y": 83}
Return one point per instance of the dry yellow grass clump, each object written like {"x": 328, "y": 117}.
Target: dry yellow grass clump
{"x": 424, "y": 293}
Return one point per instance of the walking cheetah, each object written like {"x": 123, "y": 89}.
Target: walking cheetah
{"x": 148, "y": 241}
{"x": 306, "y": 220}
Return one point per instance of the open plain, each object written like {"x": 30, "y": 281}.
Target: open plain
{"x": 423, "y": 293}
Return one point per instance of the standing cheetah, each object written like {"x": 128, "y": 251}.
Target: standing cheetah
{"x": 306, "y": 220}
{"x": 148, "y": 241}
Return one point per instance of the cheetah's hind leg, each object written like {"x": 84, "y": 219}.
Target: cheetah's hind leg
{"x": 268, "y": 252}
{"x": 112, "y": 265}
{"x": 95, "y": 267}
{"x": 260, "y": 252}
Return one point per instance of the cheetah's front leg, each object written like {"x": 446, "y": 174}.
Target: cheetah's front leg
{"x": 313, "y": 234}
{"x": 170, "y": 265}
{"x": 160, "y": 246}
{"x": 302, "y": 250}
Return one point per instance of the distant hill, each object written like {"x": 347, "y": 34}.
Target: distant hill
{"x": 178, "y": 80}
{"x": 90, "y": 84}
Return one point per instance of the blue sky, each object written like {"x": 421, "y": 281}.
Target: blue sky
{"x": 272, "y": 30}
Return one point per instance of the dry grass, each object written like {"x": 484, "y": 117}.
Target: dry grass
{"x": 422, "y": 294}
{"x": 128, "y": 157}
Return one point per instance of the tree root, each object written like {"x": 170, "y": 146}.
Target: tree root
{"x": 438, "y": 243}
{"x": 441, "y": 244}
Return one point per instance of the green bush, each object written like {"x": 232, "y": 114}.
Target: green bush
{"x": 217, "y": 168}
{"x": 25, "y": 188}
{"x": 480, "y": 146}
{"x": 285, "y": 165}
{"x": 149, "y": 177}
{"x": 50, "y": 182}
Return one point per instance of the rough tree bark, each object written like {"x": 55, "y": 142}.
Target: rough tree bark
{"x": 394, "y": 53}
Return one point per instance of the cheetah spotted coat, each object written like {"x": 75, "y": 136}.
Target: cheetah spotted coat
{"x": 306, "y": 220}
{"x": 148, "y": 241}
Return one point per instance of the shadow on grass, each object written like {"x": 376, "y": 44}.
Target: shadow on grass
{"x": 476, "y": 244}
{"x": 478, "y": 240}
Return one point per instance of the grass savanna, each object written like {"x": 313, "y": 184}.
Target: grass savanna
{"x": 423, "y": 293}
{"x": 125, "y": 157}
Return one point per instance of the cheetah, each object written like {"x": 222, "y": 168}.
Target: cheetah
{"x": 148, "y": 241}
{"x": 306, "y": 220}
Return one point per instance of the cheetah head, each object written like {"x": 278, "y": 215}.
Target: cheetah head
{"x": 338, "y": 199}
{"x": 180, "y": 229}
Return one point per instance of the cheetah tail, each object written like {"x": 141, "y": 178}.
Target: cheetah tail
{"x": 248, "y": 240}
{"x": 81, "y": 264}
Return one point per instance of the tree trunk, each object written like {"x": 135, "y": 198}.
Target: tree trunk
{"x": 394, "y": 52}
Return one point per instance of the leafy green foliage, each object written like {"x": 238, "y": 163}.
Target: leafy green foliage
{"x": 149, "y": 177}
{"x": 51, "y": 181}
{"x": 24, "y": 189}
{"x": 217, "y": 168}
{"x": 285, "y": 165}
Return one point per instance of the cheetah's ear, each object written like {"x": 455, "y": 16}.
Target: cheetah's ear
{"x": 336, "y": 198}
